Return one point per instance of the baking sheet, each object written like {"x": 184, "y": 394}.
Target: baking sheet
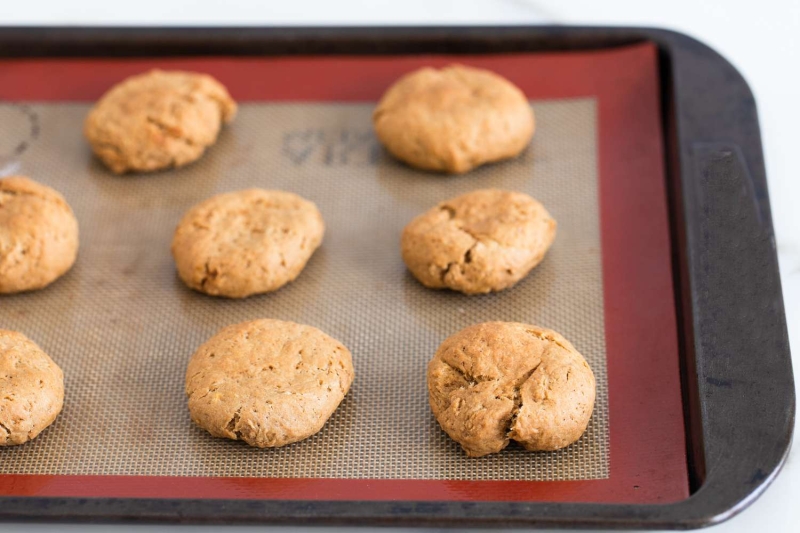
{"x": 122, "y": 326}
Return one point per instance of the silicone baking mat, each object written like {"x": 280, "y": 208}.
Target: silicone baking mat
{"x": 122, "y": 326}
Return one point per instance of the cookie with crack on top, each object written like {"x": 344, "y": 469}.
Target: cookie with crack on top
{"x": 499, "y": 381}
{"x": 479, "y": 242}
{"x": 453, "y": 119}
{"x": 267, "y": 382}
{"x": 38, "y": 235}
{"x": 247, "y": 242}
{"x": 157, "y": 120}
{"x": 31, "y": 389}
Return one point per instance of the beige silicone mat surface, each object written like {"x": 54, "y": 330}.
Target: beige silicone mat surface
{"x": 123, "y": 327}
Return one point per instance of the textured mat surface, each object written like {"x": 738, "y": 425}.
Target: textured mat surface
{"x": 123, "y": 327}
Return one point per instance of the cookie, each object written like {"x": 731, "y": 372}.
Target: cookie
{"x": 267, "y": 382}
{"x": 246, "y": 242}
{"x": 454, "y": 119}
{"x": 38, "y": 235}
{"x": 497, "y": 381}
{"x": 158, "y": 120}
{"x": 478, "y": 242}
{"x": 31, "y": 389}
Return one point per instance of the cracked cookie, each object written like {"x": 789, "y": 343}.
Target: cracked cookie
{"x": 156, "y": 120}
{"x": 31, "y": 389}
{"x": 38, "y": 235}
{"x": 453, "y": 119}
{"x": 500, "y": 381}
{"x": 247, "y": 242}
{"x": 478, "y": 242}
{"x": 267, "y": 382}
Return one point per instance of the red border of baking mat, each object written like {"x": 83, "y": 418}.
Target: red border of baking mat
{"x": 648, "y": 458}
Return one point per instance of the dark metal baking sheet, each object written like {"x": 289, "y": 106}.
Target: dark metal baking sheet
{"x": 738, "y": 384}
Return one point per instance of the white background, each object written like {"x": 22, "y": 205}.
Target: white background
{"x": 762, "y": 39}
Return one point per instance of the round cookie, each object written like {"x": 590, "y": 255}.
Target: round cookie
{"x": 156, "y": 120}
{"x": 497, "y": 381}
{"x": 31, "y": 389}
{"x": 38, "y": 235}
{"x": 267, "y": 382}
{"x": 454, "y": 119}
{"x": 478, "y": 242}
{"x": 246, "y": 242}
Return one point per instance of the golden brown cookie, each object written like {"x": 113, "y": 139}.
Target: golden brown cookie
{"x": 156, "y": 120}
{"x": 31, "y": 389}
{"x": 478, "y": 242}
{"x": 497, "y": 381}
{"x": 247, "y": 242}
{"x": 38, "y": 235}
{"x": 453, "y": 119}
{"x": 267, "y": 382}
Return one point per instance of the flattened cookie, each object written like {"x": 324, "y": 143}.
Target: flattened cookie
{"x": 497, "y": 381}
{"x": 478, "y": 242}
{"x": 38, "y": 235}
{"x": 453, "y": 119}
{"x": 267, "y": 382}
{"x": 157, "y": 120}
{"x": 246, "y": 242}
{"x": 31, "y": 389}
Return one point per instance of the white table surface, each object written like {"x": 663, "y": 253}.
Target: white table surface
{"x": 761, "y": 38}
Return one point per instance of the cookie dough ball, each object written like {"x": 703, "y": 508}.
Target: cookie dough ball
{"x": 31, "y": 389}
{"x": 267, "y": 382}
{"x": 247, "y": 242}
{"x": 158, "y": 120}
{"x": 453, "y": 119}
{"x": 478, "y": 242}
{"x": 497, "y": 381}
{"x": 38, "y": 235}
